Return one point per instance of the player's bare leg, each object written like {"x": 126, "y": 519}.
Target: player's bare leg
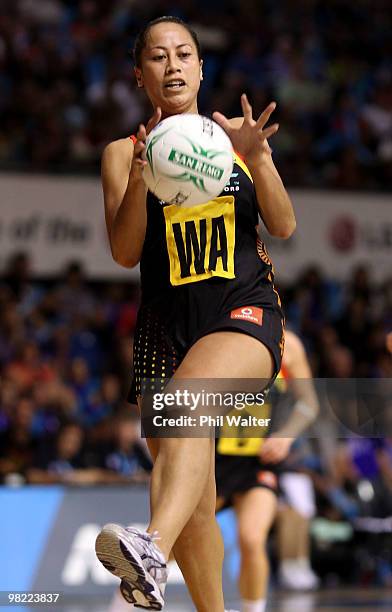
{"x": 255, "y": 512}
{"x": 189, "y": 460}
{"x": 175, "y": 494}
{"x": 295, "y": 571}
{"x": 202, "y": 570}
{"x": 287, "y": 533}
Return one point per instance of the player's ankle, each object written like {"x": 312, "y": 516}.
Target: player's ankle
{"x": 159, "y": 543}
{"x": 253, "y": 605}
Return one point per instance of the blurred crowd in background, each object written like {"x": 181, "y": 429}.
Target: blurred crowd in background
{"x": 65, "y": 72}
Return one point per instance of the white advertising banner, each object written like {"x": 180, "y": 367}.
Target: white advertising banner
{"x": 336, "y": 231}
{"x": 56, "y": 219}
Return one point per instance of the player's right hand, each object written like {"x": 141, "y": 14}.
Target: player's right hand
{"x": 275, "y": 449}
{"x": 139, "y": 151}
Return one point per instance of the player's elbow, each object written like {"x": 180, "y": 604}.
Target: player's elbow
{"x": 284, "y": 230}
{"x": 121, "y": 253}
{"x": 126, "y": 260}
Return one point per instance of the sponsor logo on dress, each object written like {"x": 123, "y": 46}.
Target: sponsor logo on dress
{"x": 233, "y": 183}
{"x": 248, "y": 313}
{"x": 268, "y": 479}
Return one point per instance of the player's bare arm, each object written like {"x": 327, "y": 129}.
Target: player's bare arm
{"x": 249, "y": 138}
{"x": 306, "y": 407}
{"x": 125, "y": 195}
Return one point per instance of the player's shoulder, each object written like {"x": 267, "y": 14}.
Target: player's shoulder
{"x": 118, "y": 153}
{"x": 119, "y": 147}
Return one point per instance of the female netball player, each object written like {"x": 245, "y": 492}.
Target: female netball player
{"x": 202, "y": 326}
{"x": 248, "y": 469}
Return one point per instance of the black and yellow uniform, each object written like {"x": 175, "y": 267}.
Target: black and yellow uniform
{"x": 238, "y": 467}
{"x": 203, "y": 269}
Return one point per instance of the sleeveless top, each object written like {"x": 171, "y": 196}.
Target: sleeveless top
{"x": 216, "y": 244}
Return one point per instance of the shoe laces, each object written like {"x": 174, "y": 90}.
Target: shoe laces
{"x": 148, "y": 537}
{"x": 152, "y": 556}
{"x": 155, "y": 536}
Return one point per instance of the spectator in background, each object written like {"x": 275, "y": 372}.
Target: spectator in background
{"x": 17, "y": 443}
{"x": 129, "y": 457}
{"x": 56, "y": 404}
{"x": 28, "y": 367}
{"x": 9, "y": 394}
{"x": 17, "y": 277}
{"x": 367, "y": 462}
{"x": 84, "y": 386}
{"x": 12, "y": 328}
{"x": 105, "y": 402}
{"x": 73, "y": 294}
{"x": 354, "y": 329}
{"x": 67, "y": 461}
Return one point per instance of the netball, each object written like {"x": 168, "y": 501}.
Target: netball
{"x": 189, "y": 160}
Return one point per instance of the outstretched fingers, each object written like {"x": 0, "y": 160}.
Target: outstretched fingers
{"x": 269, "y": 131}
{"x": 265, "y": 115}
{"x": 223, "y": 122}
{"x": 246, "y": 108}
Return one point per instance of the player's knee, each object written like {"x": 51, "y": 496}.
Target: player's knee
{"x": 251, "y": 542}
{"x": 204, "y": 513}
{"x": 200, "y": 524}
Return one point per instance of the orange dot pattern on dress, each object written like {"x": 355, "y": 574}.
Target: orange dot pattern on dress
{"x": 155, "y": 357}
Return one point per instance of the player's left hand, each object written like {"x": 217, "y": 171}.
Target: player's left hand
{"x": 274, "y": 449}
{"x": 250, "y": 139}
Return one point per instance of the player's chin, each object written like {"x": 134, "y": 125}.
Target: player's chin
{"x": 178, "y": 98}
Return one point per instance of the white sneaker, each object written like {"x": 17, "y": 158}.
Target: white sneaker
{"x": 288, "y": 575}
{"x": 295, "y": 576}
{"x": 133, "y": 556}
{"x": 309, "y": 579}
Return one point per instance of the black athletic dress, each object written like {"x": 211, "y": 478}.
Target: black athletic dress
{"x": 203, "y": 269}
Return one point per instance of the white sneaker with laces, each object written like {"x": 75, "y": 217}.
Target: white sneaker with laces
{"x": 133, "y": 556}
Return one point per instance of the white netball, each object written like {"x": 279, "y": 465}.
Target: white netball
{"x": 189, "y": 160}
